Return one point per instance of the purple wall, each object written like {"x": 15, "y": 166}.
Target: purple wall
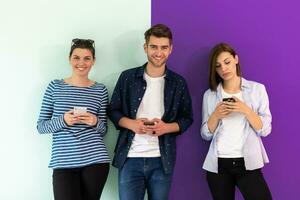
{"x": 266, "y": 35}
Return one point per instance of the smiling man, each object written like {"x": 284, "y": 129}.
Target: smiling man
{"x": 150, "y": 106}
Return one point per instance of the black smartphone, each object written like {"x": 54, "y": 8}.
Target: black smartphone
{"x": 230, "y": 99}
{"x": 149, "y": 123}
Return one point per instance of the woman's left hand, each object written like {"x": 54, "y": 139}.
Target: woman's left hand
{"x": 89, "y": 119}
{"x": 237, "y": 106}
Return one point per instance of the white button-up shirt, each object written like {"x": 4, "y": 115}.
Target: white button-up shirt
{"x": 256, "y": 97}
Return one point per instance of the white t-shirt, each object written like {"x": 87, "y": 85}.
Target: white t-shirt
{"x": 152, "y": 106}
{"x": 231, "y": 136}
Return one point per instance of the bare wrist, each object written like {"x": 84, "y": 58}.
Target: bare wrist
{"x": 248, "y": 112}
{"x": 130, "y": 124}
{"x": 214, "y": 116}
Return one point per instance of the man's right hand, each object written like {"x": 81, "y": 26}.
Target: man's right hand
{"x": 136, "y": 125}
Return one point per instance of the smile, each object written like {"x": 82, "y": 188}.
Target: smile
{"x": 81, "y": 68}
{"x": 158, "y": 58}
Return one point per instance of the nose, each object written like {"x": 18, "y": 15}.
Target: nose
{"x": 81, "y": 62}
{"x": 223, "y": 68}
{"x": 158, "y": 52}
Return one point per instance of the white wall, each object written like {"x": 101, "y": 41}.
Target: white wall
{"x": 35, "y": 38}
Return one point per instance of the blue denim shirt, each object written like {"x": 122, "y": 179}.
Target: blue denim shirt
{"x": 255, "y": 96}
{"x": 125, "y": 102}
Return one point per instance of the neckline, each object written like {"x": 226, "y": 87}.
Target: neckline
{"x": 147, "y": 76}
{"x": 68, "y": 84}
{"x": 237, "y": 93}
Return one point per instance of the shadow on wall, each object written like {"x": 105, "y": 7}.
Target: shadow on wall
{"x": 194, "y": 68}
{"x": 127, "y": 53}
{"x": 197, "y": 62}
{"x": 195, "y": 71}
{"x": 53, "y": 62}
{"x": 129, "y": 50}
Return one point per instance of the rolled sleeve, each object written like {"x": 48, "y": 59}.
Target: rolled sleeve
{"x": 184, "y": 124}
{"x": 185, "y": 114}
{"x": 264, "y": 113}
{"x": 205, "y": 133}
{"x": 115, "y": 117}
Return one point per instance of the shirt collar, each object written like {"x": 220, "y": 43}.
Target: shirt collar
{"x": 141, "y": 70}
{"x": 244, "y": 86}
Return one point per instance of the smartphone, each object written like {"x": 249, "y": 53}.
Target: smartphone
{"x": 79, "y": 110}
{"x": 230, "y": 99}
{"x": 149, "y": 123}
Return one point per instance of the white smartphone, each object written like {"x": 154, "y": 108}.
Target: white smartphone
{"x": 79, "y": 110}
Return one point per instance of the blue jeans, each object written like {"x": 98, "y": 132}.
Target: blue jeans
{"x": 139, "y": 174}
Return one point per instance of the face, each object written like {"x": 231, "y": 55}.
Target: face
{"x": 158, "y": 51}
{"x": 81, "y": 61}
{"x": 226, "y": 66}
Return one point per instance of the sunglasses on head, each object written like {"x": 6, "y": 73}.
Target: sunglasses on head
{"x": 77, "y": 41}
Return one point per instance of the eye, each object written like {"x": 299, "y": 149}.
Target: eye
{"x": 218, "y": 65}
{"x": 87, "y": 58}
{"x": 227, "y": 62}
{"x": 76, "y": 58}
{"x": 153, "y": 47}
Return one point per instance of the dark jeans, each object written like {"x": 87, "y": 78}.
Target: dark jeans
{"x": 139, "y": 174}
{"x": 84, "y": 183}
{"x": 232, "y": 173}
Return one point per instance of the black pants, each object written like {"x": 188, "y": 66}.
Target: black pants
{"x": 85, "y": 183}
{"x": 232, "y": 173}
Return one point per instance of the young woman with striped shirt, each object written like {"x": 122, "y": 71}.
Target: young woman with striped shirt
{"x": 74, "y": 111}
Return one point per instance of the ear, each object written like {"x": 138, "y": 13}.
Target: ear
{"x": 145, "y": 47}
{"x": 171, "y": 48}
{"x": 236, "y": 58}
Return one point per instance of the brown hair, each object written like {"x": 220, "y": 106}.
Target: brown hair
{"x": 83, "y": 44}
{"x": 158, "y": 30}
{"x": 214, "y": 78}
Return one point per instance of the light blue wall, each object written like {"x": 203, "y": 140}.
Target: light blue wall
{"x": 34, "y": 46}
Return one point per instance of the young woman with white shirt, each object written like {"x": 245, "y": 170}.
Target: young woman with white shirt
{"x": 235, "y": 115}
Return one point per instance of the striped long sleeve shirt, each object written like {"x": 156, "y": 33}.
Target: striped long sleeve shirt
{"x": 80, "y": 144}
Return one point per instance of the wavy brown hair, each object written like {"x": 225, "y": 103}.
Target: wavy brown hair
{"x": 159, "y": 30}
